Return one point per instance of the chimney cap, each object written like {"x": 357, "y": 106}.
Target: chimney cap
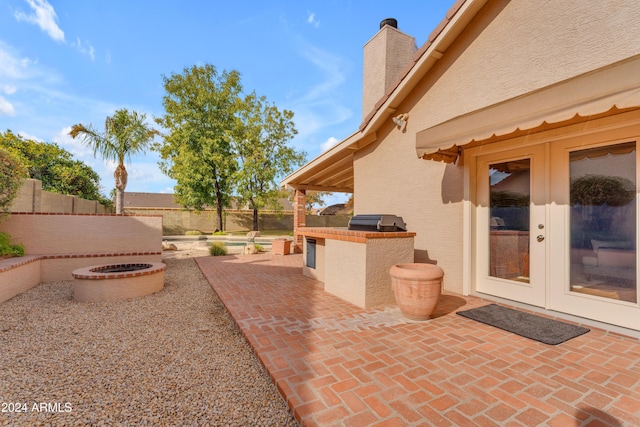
{"x": 389, "y": 21}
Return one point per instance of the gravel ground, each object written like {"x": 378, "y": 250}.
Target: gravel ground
{"x": 172, "y": 358}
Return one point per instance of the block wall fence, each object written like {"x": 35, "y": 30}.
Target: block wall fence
{"x": 175, "y": 221}
{"x": 178, "y": 221}
{"x": 32, "y": 198}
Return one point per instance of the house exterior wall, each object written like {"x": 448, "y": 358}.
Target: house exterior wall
{"x": 516, "y": 47}
{"x": 390, "y": 179}
{"x": 509, "y": 49}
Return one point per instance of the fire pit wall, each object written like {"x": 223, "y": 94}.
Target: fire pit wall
{"x": 57, "y": 244}
{"x": 116, "y": 282}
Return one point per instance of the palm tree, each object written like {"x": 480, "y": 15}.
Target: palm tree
{"x": 125, "y": 134}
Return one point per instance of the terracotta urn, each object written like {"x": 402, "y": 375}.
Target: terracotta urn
{"x": 417, "y": 288}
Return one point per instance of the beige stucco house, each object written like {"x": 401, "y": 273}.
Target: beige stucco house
{"x": 483, "y": 140}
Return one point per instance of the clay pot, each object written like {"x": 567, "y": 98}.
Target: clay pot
{"x": 417, "y": 288}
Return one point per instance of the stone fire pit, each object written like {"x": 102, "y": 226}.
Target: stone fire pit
{"x": 116, "y": 282}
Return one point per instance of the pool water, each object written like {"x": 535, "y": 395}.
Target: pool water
{"x": 244, "y": 243}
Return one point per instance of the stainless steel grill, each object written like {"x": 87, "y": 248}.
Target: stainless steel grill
{"x": 377, "y": 222}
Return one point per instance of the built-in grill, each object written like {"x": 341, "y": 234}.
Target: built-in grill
{"x": 377, "y": 222}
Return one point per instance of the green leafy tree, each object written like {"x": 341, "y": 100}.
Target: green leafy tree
{"x": 316, "y": 198}
{"x": 200, "y": 108}
{"x": 125, "y": 134}
{"x": 55, "y": 167}
{"x": 261, "y": 145}
{"x": 12, "y": 174}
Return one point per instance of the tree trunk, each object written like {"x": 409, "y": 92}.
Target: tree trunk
{"x": 255, "y": 220}
{"x": 219, "y": 224}
{"x": 121, "y": 177}
{"x": 119, "y": 202}
{"x": 219, "y": 217}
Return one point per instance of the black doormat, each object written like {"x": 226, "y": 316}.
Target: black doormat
{"x": 527, "y": 325}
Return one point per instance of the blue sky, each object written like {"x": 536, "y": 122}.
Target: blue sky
{"x": 66, "y": 61}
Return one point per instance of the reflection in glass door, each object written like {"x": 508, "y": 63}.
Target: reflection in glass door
{"x": 603, "y": 222}
{"x": 511, "y": 194}
{"x": 509, "y": 216}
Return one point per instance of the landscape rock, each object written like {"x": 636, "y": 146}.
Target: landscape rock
{"x": 250, "y": 250}
{"x": 166, "y": 246}
{"x": 252, "y": 235}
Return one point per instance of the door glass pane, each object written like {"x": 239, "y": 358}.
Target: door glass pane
{"x": 603, "y": 222}
{"x": 509, "y": 195}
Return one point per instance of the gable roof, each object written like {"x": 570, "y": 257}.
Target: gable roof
{"x": 333, "y": 169}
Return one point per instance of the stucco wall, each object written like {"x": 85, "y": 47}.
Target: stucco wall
{"x": 515, "y": 47}
{"x": 510, "y": 48}
{"x": 390, "y": 179}
{"x": 359, "y": 272}
{"x": 382, "y": 254}
{"x": 385, "y": 56}
{"x": 18, "y": 280}
{"x": 61, "y": 268}
{"x": 69, "y": 233}
{"x": 346, "y": 282}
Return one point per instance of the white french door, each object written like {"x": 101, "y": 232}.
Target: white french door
{"x": 511, "y": 225}
{"x": 594, "y": 216}
{"x": 555, "y": 225}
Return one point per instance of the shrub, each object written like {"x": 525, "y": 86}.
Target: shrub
{"x": 193, "y": 233}
{"x": 12, "y": 174}
{"x": 219, "y": 233}
{"x": 7, "y": 249}
{"x": 217, "y": 249}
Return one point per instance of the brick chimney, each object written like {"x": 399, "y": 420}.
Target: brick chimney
{"x": 385, "y": 56}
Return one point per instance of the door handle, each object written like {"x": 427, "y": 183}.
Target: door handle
{"x": 540, "y": 237}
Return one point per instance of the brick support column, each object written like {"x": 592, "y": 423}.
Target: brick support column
{"x": 299, "y": 218}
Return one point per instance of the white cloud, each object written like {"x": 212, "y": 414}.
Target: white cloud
{"x": 6, "y": 108}
{"x": 12, "y": 67}
{"x": 107, "y": 57}
{"x": 44, "y": 17}
{"x": 74, "y": 146}
{"x": 28, "y": 136}
{"x": 311, "y": 19}
{"x": 329, "y": 143}
{"x": 321, "y": 105}
{"x": 8, "y": 89}
{"x": 84, "y": 48}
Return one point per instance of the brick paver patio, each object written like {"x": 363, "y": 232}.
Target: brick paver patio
{"x": 337, "y": 364}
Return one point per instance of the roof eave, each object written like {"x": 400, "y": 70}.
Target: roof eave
{"x": 455, "y": 21}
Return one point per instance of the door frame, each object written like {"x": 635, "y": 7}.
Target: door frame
{"x": 561, "y": 298}
{"x": 607, "y": 128}
{"x": 535, "y": 291}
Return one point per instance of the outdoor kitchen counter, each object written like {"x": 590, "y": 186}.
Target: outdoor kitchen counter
{"x": 347, "y": 235}
{"x": 354, "y": 265}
